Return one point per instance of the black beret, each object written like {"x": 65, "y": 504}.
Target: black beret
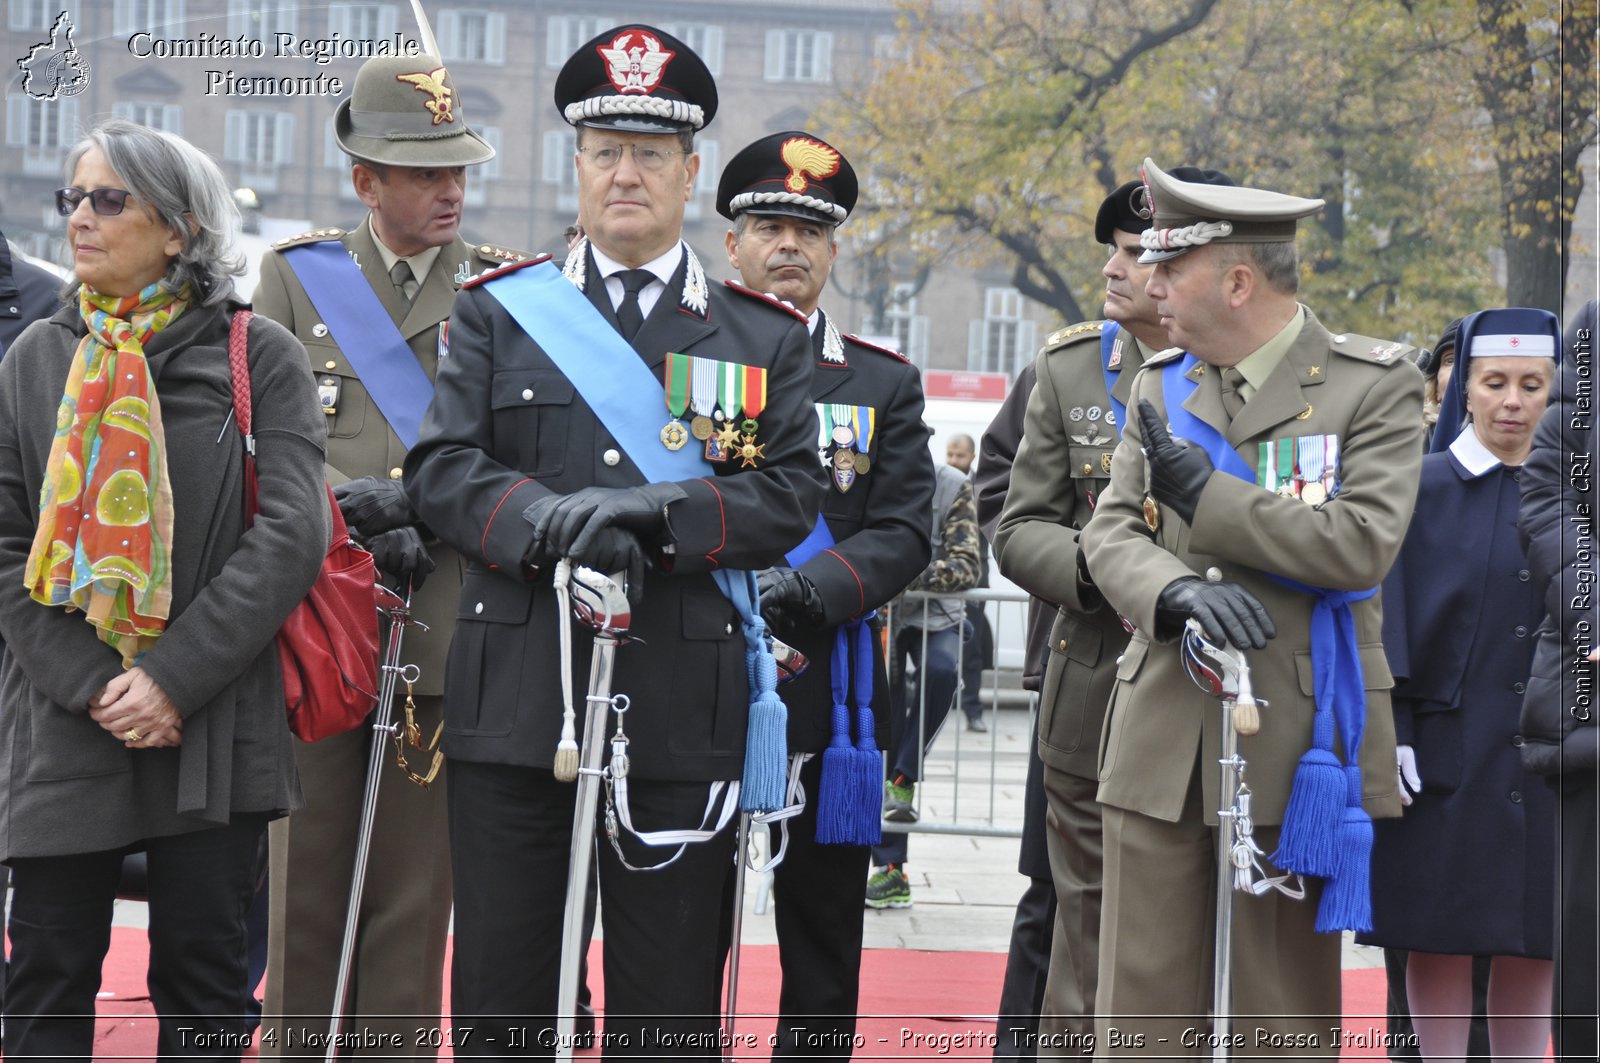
{"x": 1128, "y": 210}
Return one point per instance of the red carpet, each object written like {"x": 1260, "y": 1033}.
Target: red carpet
{"x": 915, "y": 1005}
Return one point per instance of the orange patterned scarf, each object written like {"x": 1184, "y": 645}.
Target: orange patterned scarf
{"x": 105, "y": 510}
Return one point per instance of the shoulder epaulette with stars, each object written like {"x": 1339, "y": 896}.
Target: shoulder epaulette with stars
{"x": 763, "y": 297}
{"x": 1374, "y": 351}
{"x": 490, "y": 275}
{"x": 502, "y": 254}
{"x": 1072, "y": 332}
{"x": 315, "y": 236}
{"x": 867, "y": 345}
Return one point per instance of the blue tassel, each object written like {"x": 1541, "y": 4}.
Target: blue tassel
{"x": 837, "y": 791}
{"x": 1347, "y": 897}
{"x": 766, "y": 745}
{"x": 1306, "y": 841}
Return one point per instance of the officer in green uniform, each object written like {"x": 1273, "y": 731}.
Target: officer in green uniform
{"x": 1083, "y": 378}
{"x": 1300, "y": 462}
{"x": 394, "y": 278}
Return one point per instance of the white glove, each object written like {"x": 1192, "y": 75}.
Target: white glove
{"x": 1405, "y": 759}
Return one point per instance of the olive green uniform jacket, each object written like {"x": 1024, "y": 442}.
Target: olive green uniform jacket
{"x": 1159, "y": 725}
{"x": 360, "y": 441}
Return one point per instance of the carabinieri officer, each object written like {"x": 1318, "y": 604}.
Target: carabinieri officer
{"x": 786, "y": 195}
{"x": 575, "y": 441}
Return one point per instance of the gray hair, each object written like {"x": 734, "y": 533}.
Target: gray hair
{"x": 1277, "y": 262}
{"x": 188, "y": 193}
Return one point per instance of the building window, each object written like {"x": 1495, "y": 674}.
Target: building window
{"x": 472, "y": 36}
{"x": 799, "y": 55}
{"x": 259, "y": 143}
{"x": 907, "y": 329}
{"x": 43, "y": 129}
{"x": 32, "y": 14}
{"x": 259, "y": 19}
{"x": 1004, "y": 340}
{"x": 167, "y": 116}
{"x": 362, "y": 22}
{"x": 705, "y": 185}
{"x": 480, "y": 177}
{"x": 568, "y": 32}
{"x": 160, "y": 18}
{"x": 703, "y": 39}
{"x": 560, "y": 148}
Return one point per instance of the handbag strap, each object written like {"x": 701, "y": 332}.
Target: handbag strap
{"x": 239, "y": 364}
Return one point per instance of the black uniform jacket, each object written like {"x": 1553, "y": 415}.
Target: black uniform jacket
{"x": 879, "y": 525}
{"x": 505, "y": 428}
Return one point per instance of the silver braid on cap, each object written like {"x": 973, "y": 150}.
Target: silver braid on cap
{"x": 690, "y": 114}
{"x": 1201, "y": 232}
{"x": 746, "y": 200}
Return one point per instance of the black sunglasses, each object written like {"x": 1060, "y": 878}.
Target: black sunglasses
{"x": 106, "y": 201}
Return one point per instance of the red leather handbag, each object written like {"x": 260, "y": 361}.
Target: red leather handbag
{"x": 328, "y": 646}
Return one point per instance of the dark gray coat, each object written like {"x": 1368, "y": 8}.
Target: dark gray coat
{"x": 1558, "y": 532}
{"x": 68, "y": 786}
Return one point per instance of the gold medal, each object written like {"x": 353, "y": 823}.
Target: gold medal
{"x": 700, "y": 427}
{"x": 844, "y": 470}
{"x": 1314, "y": 493}
{"x": 749, "y": 451}
{"x": 728, "y": 436}
{"x": 863, "y": 464}
{"x": 673, "y": 436}
{"x": 1152, "y": 513}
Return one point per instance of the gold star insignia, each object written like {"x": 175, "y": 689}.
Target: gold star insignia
{"x": 728, "y": 436}
{"x": 1200, "y": 370}
{"x": 750, "y": 450}
{"x": 1315, "y": 370}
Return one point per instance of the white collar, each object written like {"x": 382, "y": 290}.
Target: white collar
{"x": 811, "y": 322}
{"x": 661, "y": 267}
{"x": 1472, "y": 454}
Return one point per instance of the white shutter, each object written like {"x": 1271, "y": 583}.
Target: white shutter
{"x": 388, "y": 20}
{"x": 712, "y": 53}
{"x": 233, "y": 137}
{"x": 172, "y": 119}
{"x": 1027, "y": 343}
{"x": 491, "y": 169}
{"x": 494, "y": 45}
{"x": 17, "y": 121}
{"x": 555, "y": 41}
{"x": 447, "y": 31}
{"x": 556, "y": 157}
{"x": 122, "y": 18}
{"x": 238, "y": 17}
{"x": 288, "y": 17}
{"x": 710, "y": 167}
{"x": 283, "y": 140}
{"x": 822, "y": 67}
{"x": 774, "y": 60}
{"x": 976, "y": 332}
{"x": 919, "y": 340}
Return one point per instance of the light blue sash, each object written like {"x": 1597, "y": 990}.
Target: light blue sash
{"x": 627, "y": 398}
{"x": 1108, "y": 340}
{"x": 365, "y": 332}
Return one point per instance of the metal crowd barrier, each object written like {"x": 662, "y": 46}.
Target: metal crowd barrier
{"x": 961, "y": 773}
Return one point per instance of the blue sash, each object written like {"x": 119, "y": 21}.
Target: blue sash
{"x": 626, "y": 397}
{"x": 365, "y": 333}
{"x": 1325, "y": 830}
{"x": 1108, "y": 340}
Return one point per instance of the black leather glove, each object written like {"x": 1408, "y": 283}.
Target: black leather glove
{"x": 1226, "y": 611}
{"x": 613, "y": 550}
{"x": 1177, "y": 473}
{"x": 789, "y": 596}
{"x": 565, "y": 525}
{"x": 371, "y": 505}
{"x": 399, "y": 552}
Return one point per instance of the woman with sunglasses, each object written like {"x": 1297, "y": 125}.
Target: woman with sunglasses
{"x": 143, "y": 706}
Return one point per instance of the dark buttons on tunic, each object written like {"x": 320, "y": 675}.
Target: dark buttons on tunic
{"x": 1522, "y": 574}
{"x": 1516, "y": 797}
{"x": 1516, "y": 474}
{"x": 1521, "y": 631}
{"x": 1518, "y": 688}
